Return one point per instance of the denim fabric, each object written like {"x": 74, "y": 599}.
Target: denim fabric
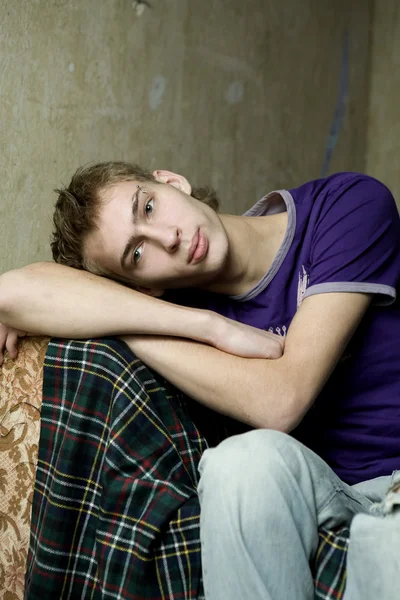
{"x": 373, "y": 560}
{"x": 263, "y": 497}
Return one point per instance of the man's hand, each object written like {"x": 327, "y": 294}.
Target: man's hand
{"x": 231, "y": 337}
{"x": 246, "y": 341}
{"x": 9, "y": 341}
{"x": 274, "y": 394}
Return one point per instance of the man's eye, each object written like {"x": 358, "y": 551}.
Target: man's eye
{"x": 148, "y": 208}
{"x": 137, "y": 254}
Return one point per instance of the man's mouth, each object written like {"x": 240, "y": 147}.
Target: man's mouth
{"x": 198, "y": 247}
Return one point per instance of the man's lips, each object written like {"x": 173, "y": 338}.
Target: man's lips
{"x": 198, "y": 247}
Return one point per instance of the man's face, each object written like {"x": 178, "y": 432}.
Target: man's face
{"x": 157, "y": 236}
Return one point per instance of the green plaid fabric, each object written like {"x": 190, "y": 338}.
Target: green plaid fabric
{"x": 330, "y": 564}
{"x": 115, "y": 509}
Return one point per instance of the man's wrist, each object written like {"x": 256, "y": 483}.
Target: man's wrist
{"x": 207, "y": 325}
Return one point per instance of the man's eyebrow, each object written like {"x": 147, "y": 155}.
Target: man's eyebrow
{"x": 135, "y": 209}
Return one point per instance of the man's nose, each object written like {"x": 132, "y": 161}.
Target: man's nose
{"x": 167, "y": 237}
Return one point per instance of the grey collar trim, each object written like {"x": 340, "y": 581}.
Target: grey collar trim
{"x": 269, "y": 205}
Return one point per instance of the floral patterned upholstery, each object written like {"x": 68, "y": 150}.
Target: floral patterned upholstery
{"x": 21, "y": 383}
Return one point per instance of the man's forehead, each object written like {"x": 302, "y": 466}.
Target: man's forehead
{"x": 114, "y": 202}
{"x": 107, "y": 232}
{"x": 113, "y": 229}
{"x": 116, "y": 190}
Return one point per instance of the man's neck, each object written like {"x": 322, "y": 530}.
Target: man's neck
{"x": 253, "y": 245}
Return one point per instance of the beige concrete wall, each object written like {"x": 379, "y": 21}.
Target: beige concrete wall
{"x": 236, "y": 93}
{"x": 383, "y": 156}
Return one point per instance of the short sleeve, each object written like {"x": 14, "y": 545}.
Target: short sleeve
{"x": 356, "y": 241}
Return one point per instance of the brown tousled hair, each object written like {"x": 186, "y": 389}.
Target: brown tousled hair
{"x": 77, "y": 207}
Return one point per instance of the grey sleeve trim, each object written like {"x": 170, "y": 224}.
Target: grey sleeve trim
{"x": 386, "y": 293}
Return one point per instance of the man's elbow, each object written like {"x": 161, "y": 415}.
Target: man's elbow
{"x": 13, "y": 285}
{"x": 286, "y": 413}
{"x": 7, "y": 287}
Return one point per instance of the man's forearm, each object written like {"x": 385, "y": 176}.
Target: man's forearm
{"x": 49, "y": 299}
{"x": 255, "y": 391}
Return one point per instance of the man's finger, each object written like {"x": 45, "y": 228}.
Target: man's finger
{"x": 3, "y": 337}
{"x": 12, "y": 344}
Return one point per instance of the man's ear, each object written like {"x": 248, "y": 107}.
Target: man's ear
{"x": 178, "y": 181}
{"x": 156, "y": 293}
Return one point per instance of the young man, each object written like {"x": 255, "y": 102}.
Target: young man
{"x": 319, "y": 266}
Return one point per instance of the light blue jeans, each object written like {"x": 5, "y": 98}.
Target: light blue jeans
{"x": 263, "y": 496}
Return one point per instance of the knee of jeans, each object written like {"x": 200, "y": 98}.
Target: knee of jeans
{"x": 252, "y": 457}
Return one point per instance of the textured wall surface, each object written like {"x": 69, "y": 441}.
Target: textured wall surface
{"x": 383, "y": 155}
{"x": 236, "y": 93}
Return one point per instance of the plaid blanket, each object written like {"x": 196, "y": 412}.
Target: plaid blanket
{"x": 115, "y": 510}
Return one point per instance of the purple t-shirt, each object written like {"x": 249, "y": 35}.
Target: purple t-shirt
{"x": 343, "y": 235}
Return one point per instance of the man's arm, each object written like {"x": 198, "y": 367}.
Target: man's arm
{"x": 273, "y": 394}
{"x": 50, "y": 299}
